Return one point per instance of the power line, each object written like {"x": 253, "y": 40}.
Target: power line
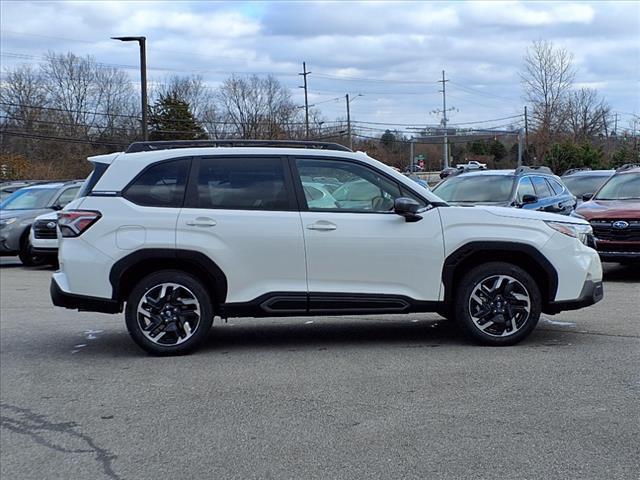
{"x": 62, "y": 139}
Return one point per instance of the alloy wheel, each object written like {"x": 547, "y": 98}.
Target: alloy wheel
{"x": 168, "y": 314}
{"x": 499, "y": 305}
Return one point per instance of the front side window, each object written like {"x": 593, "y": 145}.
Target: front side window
{"x": 346, "y": 186}
{"x": 161, "y": 185}
{"x": 240, "y": 183}
{"x": 68, "y": 195}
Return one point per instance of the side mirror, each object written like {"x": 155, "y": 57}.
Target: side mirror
{"x": 527, "y": 198}
{"x": 587, "y": 196}
{"x": 56, "y": 207}
{"x": 407, "y": 208}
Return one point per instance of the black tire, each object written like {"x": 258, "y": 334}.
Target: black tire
{"x": 27, "y": 257}
{"x": 502, "y": 316}
{"x": 161, "y": 309}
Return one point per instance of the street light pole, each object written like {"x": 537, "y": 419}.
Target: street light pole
{"x": 142, "y": 42}
{"x": 349, "y": 124}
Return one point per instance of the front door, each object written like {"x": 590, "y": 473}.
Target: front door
{"x": 357, "y": 247}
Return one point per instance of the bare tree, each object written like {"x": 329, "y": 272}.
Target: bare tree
{"x": 547, "y": 77}
{"x": 586, "y": 114}
{"x": 258, "y": 107}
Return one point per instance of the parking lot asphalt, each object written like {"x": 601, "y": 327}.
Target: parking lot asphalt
{"x": 318, "y": 398}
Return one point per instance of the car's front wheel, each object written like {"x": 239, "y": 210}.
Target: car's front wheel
{"x": 169, "y": 313}
{"x": 28, "y": 257}
{"x": 498, "y": 303}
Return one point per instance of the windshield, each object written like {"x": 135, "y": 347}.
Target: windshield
{"x": 476, "y": 188}
{"x": 580, "y": 185}
{"x": 28, "y": 199}
{"x": 620, "y": 187}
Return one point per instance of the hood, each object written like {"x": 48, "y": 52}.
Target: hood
{"x": 48, "y": 216}
{"x": 530, "y": 214}
{"x": 618, "y": 209}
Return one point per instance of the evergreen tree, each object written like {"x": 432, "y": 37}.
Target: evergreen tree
{"x": 172, "y": 119}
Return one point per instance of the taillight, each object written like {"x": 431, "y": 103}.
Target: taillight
{"x": 73, "y": 223}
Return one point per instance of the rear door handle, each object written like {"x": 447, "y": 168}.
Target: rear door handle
{"x": 322, "y": 225}
{"x": 201, "y": 222}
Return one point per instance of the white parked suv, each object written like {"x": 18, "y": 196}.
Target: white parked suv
{"x": 176, "y": 233}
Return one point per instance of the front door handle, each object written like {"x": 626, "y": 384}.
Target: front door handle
{"x": 201, "y": 222}
{"x": 322, "y": 225}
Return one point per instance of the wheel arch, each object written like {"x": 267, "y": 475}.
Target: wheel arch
{"x": 130, "y": 269}
{"x": 523, "y": 255}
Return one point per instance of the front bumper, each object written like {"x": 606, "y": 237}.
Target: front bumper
{"x": 592, "y": 292}
{"x": 82, "y": 303}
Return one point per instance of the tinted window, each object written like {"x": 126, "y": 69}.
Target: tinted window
{"x": 242, "y": 184}
{"x": 542, "y": 188}
{"x": 525, "y": 187}
{"x": 358, "y": 188}
{"x": 68, "y": 195}
{"x": 475, "y": 188}
{"x": 161, "y": 185}
{"x": 92, "y": 179}
{"x": 555, "y": 186}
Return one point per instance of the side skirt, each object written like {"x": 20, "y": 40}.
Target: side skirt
{"x": 281, "y": 304}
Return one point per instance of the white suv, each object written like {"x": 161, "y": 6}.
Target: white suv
{"x": 175, "y": 233}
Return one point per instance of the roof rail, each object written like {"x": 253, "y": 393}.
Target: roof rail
{"x": 171, "y": 144}
{"x": 627, "y": 166}
{"x": 574, "y": 170}
{"x": 536, "y": 168}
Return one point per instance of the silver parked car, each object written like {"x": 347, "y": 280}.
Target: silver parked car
{"x": 18, "y": 211}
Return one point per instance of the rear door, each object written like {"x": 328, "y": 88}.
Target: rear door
{"x": 240, "y": 211}
{"x": 358, "y": 249}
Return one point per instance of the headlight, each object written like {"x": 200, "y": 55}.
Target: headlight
{"x": 575, "y": 230}
{"x": 7, "y": 221}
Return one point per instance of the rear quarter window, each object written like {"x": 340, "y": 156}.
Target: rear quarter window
{"x": 160, "y": 185}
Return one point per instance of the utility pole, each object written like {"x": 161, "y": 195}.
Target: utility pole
{"x": 520, "y": 142}
{"x": 445, "y": 152}
{"x": 349, "y": 123}
{"x": 306, "y": 100}
{"x": 526, "y": 134}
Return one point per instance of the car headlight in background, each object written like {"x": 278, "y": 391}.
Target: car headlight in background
{"x": 584, "y": 233}
{"x": 7, "y": 221}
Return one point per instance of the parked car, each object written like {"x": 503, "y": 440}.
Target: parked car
{"x": 471, "y": 165}
{"x": 175, "y": 236}
{"x": 531, "y": 188}
{"x": 44, "y": 237}
{"x": 19, "y": 210}
{"x": 584, "y": 180}
{"x": 614, "y": 214}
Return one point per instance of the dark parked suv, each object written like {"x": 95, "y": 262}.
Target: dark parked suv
{"x": 533, "y": 188}
{"x": 584, "y": 180}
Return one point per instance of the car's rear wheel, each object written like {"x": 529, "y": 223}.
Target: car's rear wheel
{"x": 169, "y": 313}
{"x": 498, "y": 304}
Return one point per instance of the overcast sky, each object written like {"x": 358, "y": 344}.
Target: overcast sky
{"x": 392, "y": 53}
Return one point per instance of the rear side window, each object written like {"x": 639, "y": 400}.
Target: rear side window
{"x": 242, "y": 184}
{"x": 525, "y": 188}
{"x": 161, "y": 185}
{"x": 555, "y": 186}
{"x": 541, "y": 186}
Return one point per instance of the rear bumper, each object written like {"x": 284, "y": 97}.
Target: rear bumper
{"x": 592, "y": 292}
{"x": 83, "y": 303}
